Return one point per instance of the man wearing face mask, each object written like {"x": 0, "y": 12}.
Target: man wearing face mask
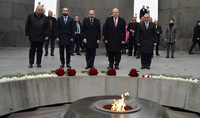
{"x": 37, "y": 31}
{"x": 65, "y": 32}
{"x": 171, "y": 37}
{"x": 91, "y": 33}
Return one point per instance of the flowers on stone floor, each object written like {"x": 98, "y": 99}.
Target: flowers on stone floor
{"x": 179, "y": 78}
{"x": 91, "y": 71}
{"x": 110, "y": 71}
{"x": 59, "y": 72}
{"x": 71, "y": 72}
{"x": 133, "y": 73}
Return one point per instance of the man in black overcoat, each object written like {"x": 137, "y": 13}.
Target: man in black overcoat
{"x": 37, "y": 31}
{"x": 65, "y": 31}
{"x": 91, "y": 32}
{"x": 132, "y": 28}
{"x": 114, "y": 35}
{"x": 143, "y": 11}
{"x": 146, "y": 38}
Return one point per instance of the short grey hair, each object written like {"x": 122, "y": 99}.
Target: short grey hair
{"x": 147, "y": 14}
{"x": 114, "y": 9}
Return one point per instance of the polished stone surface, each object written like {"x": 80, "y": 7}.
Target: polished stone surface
{"x": 85, "y": 108}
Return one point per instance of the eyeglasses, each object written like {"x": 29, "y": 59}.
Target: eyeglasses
{"x": 146, "y": 17}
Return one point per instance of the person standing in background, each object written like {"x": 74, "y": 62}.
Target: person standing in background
{"x": 171, "y": 37}
{"x": 132, "y": 28}
{"x": 65, "y": 32}
{"x": 159, "y": 31}
{"x": 143, "y": 11}
{"x": 52, "y": 29}
{"x": 37, "y": 31}
{"x": 77, "y": 40}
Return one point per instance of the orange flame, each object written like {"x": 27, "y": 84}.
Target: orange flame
{"x": 119, "y": 105}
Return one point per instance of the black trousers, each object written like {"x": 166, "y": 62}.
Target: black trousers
{"x": 33, "y": 46}
{"x": 146, "y": 59}
{"x": 90, "y": 56}
{"x": 77, "y": 42}
{"x": 172, "y": 49}
{"x": 61, "y": 50}
{"x": 114, "y": 56}
{"x": 52, "y": 40}
{"x": 131, "y": 48}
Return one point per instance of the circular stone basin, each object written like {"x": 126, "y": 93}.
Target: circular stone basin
{"x": 92, "y": 107}
{"x": 105, "y": 105}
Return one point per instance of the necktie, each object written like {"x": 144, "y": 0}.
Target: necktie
{"x": 78, "y": 30}
{"x": 65, "y": 20}
{"x": 146, "y": 25}
{"x": 51, "y": 24}
{"x": 91, "y": 22}
{"x": 115, "y": 23}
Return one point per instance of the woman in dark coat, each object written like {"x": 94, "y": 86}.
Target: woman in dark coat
{"x": 196, "y": 36}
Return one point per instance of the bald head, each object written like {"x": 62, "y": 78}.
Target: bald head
{"x": 39, "y": 10}
{"x": 115, "y": 12}
{"x": 91, "y": 13}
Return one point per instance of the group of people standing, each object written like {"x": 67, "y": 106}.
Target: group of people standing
{"x": 67, "y": 31}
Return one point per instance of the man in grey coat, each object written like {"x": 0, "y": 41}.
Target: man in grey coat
{"x": 171, "y": 37}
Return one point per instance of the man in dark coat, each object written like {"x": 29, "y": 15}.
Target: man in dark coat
{"x": 52, "y": 37}
{"x": 196, "y": 37}
{"x": 132, "y": 28}
{"x": 143, "y": 11}
{"x": 91, "y": 32}
{"x": 146, "y": 38}
{"x": 37, "y": 31}
{"x": 65, "y": 31}
{"x": 114, "y": 34}
{"x": 77, "y": 39}
{"x": 159, "y": 31}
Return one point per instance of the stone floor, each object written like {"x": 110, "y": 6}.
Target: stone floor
{"x": 59, "y": 111}
{"x": 15, "y": 60}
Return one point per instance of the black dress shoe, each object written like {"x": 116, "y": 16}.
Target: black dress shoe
{"x": 158, "y": 54}
{"x": 46, "y": 54}
{"x": 39, "y": 66}
{"x": 137, "y": 57}
{"x": 109, "y": 67}
{"x": 78, "y": 54}
{"x": 148, "y": 67}
{"x": 172, "y": 57}
{"x": 191, "y": 53}
{"x": 87, "y": 67}
{"x": 129, "y": 54}
{"x": 68, "y": 66}
{"x": 167, "y": 56}
{"x": 52, "y": 54}
{"x": 72, "y": 54}
{"x": 30, "y": 66}
{"x": 62, "y": 66}
{"x": 143, "y": 67}
{"x": 117, "y": 67}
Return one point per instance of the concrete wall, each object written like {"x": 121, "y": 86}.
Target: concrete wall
{"x": 26, "y": 94}
{"x": 12, "y": 22}
{"x": 185, "y": 13}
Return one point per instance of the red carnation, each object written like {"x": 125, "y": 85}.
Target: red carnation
{"x": 143, "y": 75}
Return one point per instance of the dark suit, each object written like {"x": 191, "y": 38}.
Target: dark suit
{"x": 65, "y": 32}
{"x": 114, "y": 36}
{"x": 52, "y": 35}
{"x": 132, "y": 38}
{"x": 146, "y": 38}
{"x": 37, "y": 28}
{"x": 77, "y": 39}
{"x": 158, "y": 29}
{"x": 142, "y": 12}
{"x": 91, "y": 33}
